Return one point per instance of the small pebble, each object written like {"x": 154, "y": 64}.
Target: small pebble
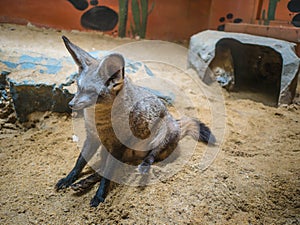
{"x": 66, "y": 210}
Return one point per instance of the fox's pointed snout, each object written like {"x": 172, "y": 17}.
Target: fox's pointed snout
{"x": 71, "y": 104}
{"x": 81, "y": 101}
{"x": 75, "y": 105}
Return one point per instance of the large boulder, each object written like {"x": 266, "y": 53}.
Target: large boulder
{"x": 246, "y": 62}
{"x": 41, "y": 83}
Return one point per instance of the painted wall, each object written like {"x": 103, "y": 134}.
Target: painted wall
{"x": 178, "y": 18}
{"x": 282, "y": 11}
{"x": 234, "y": 11}
{"x": 153, "y": 19}
{"x": 59, "y": 13}
{"x": 167, "y": 19}
{"x": 264, "y": 12}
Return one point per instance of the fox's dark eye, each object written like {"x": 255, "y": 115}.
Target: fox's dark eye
{"x": 109, "y": 81}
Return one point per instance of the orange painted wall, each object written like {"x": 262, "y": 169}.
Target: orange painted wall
{"x": 282, "y": 13}
{"x": 178, "y": 19}
{"x": 169, "y": 20}
{"x": 249, "y": 11}
{"x": 59, "y": 14}
{"x": 244, "y": 9}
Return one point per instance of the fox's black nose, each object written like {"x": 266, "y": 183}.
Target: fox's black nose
{"x": 71, "y": 104}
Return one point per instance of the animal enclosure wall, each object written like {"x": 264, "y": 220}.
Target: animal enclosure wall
{"x": 153, "y": 19}
{"x": 167, "y": 20}
{"x": 263, "y": 12}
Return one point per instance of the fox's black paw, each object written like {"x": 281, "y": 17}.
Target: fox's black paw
{"x": 96, "y": 201}
{"x": 86, "y": 183}
{"x": 64, "y": 182}
{"x": 81, "y": 186}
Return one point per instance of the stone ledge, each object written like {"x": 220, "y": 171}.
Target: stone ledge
{"x": 41, "y": 83}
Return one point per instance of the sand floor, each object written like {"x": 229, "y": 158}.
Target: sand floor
{"x": 255, "y": 178}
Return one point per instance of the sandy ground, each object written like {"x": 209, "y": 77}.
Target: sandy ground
{"x": 255, "y": 178}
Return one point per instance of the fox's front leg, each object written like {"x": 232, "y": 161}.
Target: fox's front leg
{"x": 88, "y": 182}
{"x": 110, "y": 167}
{"x": 89, "y": 149}
{"x": 101, "y": 192}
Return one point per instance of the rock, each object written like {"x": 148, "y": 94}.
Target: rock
{"x": 3, "y": 82}
{"x": 66, "y": 210}
{"x": 37, "y": 82}
{"x": 11, "y": 118}
{"x": 40, "y": 83}
{"x": 235, "y": 59}
{"x": 2, "y": 122}
{"x": 10, "y": 126}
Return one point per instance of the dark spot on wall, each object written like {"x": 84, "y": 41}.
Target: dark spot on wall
{"x": 79, "y": 4}
{"x": 296, "y": 20}
{"x": 229, "y": 16}
{"x": 221, "y": 27}
{"x": 222, "y": 19}
{"x": 100, "y": 18}
{"x": 294, "y": 6}
{"x": 94, "y": 2}
{"x": 238, "y": 20}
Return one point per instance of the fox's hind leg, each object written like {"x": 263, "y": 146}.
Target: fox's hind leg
{"x": 144, "y": 167}
{"x": 164, "y": 149}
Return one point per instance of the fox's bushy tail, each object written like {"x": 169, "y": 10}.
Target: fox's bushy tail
{"x": 196, "y": 129}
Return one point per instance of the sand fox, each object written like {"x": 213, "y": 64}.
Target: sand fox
{"x": 102, "y": 84}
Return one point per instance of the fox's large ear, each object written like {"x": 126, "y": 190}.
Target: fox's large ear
{"x": 112, "y": 67}
{"x": 81, "y": 57}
